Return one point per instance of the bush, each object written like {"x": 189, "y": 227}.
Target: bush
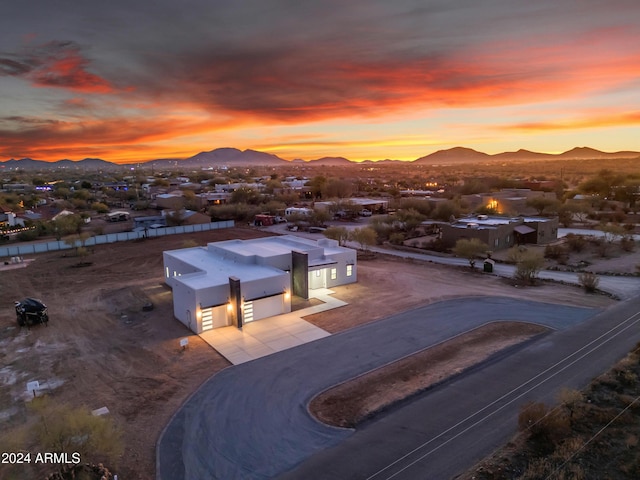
{"x": 396, "y": 238}
{"x": 27, "y": 235}
{"x": 576, "y": 243}
{"x": 589, "y": 281}
{"x": 546, "y": 427}
{"x": 528, "y": 265}
{"x": 627, "y": 244}
{"x": 555, "y": 252}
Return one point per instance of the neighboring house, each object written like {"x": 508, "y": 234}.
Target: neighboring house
{"x": 239, "y": 281}
{"x": 501, "y": 232}
{"x": 212, "y": 198}
{"x": 510, "y": 201}
{"x": 61, "y": 214}
{"x": 151, "y": 221}
{"x": 119, "y": 216}
{"x": 189, "y": 217}
{"x": 172, "y": 201}
{"x": 9, "y": 220}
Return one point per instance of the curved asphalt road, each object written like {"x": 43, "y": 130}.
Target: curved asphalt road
{"x": 250, "y": 421}
{"x": 448, "y": 429}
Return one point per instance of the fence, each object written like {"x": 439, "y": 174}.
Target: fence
{"x": 19, "y": 250}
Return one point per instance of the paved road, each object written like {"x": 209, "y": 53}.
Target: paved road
{"x": 250, "y": 421}
{"x": 447, "y": 430}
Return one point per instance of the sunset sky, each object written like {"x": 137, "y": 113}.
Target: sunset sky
{"x": 135, "y": 80}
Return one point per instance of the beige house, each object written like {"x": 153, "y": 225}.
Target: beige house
{"x": 501, "y": 232}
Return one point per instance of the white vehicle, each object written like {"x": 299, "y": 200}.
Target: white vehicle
{"x": 365, "y": 213}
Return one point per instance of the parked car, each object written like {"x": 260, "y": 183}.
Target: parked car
{"x": 31, "y": 311}
{"x": 365, "y": 213}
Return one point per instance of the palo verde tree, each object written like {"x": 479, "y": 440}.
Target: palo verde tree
{"x": 341, "y": 234}
{"x": 471, "y": 249}
{"x": 365, "y": 237}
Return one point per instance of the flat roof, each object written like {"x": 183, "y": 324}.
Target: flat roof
{"x": 216, "y": 270}
{"x": 268, "y": 246}
{"x": 494, "y": 221}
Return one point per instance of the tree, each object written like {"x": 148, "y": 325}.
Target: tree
{"x": 445, "y": 210}
{"x": 337, "y": 188}
{"x": 365, "y": 237}
{"x": 543, "y": 203}
{"x": 341, "y": 234}
{"x": 612, "y": 232}
{"x": 320, "y": 217}
{"x": 528, "y": 263}
{"x": 470, "y": 248}
{"x": 99, "y": 207}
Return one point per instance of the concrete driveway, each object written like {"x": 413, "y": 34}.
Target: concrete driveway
{"x": 250, "y": 421}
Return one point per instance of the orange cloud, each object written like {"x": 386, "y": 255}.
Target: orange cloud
{"x": 600, "y": 121}
{"x": 119, "y": 139}
{"x": 55, "y": 64}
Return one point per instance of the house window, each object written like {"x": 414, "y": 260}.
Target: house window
{"x": 349, "y": 270}
{"x": 167, "y": 270}
{"x": 496, "y": 242}
{"x": 334, "y": 273}
{"x": 317, "y": 273}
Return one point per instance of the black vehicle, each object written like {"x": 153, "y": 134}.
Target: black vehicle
{"x": 31, "y": 311}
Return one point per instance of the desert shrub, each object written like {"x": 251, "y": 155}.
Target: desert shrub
{"x": 571, "y": 400}
{"x": 396, "y": 238}
{"x": 627, "y": 378}
{"x": 589, "y": 281}
{"x": 438, "y": 245}
{"x": 528, "y": 265}
{"x": 546, "y": 427}
{"x": 27, "y": 235}
{"x": 627, "y": 244}
{"x": 64, "y": 428}
{"x": 555, "y": 252}
{"x": 576, "y": 243}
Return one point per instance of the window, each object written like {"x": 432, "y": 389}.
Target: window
{"x": 496, "y": 242}
{"x": 334, "y": 273}
{"x": 167, "y": 271}
{"x": 349, "y": 270}
{"x": 317, "y": 273}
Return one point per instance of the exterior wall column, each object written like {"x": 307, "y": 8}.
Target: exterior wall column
{"x": 235, "y": 297}
{"x": 300, "y": 274}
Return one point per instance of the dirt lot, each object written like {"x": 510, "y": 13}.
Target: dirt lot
{"x": 101, "y": 349}
{"x": 350, "y": 403}
{"x": 391, "y": 285}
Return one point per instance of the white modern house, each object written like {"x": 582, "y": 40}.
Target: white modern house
{"x": 239, "y": 281}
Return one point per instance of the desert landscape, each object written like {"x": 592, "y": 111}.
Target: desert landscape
{"x": 101, "y": 349}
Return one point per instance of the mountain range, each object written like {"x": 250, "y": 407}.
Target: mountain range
{"x": 232, "y": 156}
